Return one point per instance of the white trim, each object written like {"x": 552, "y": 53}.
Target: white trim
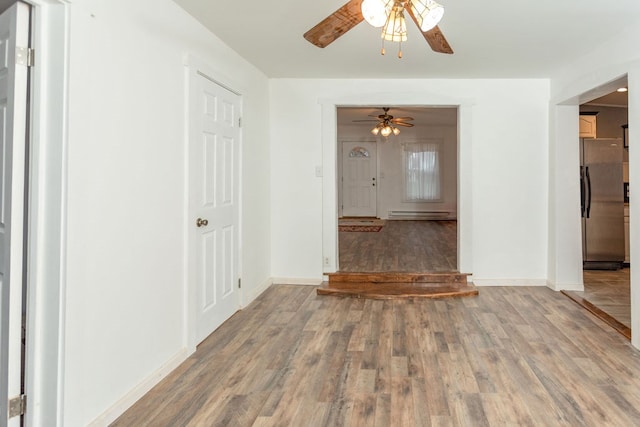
{"x": 330, "y": 175}
{"x": 126, "y": 401}
{"x": 47, "y": 216}
{"x": 295, "y": 281}
{"x": 509, "y": 282}
{"x": 566, "y": 287}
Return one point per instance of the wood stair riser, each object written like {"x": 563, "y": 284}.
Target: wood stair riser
{"x": 403, "y": 292}
{"x": 393, "y": 277}
{"x": 392, "y": 285}
{"x": 398, "y": 285}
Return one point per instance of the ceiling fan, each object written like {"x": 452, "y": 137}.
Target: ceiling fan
{"x": 388, "y": 14}
{"x": 387, "y": 123}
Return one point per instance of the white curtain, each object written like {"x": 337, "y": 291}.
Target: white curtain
{"x": 422, "y": 171}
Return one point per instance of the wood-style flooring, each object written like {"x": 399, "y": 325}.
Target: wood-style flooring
{"x": 513, "y": 356}
{"x": 401, "y": 246}
{"x": 608, "y": 295}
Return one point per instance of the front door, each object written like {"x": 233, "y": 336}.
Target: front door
{"x": 359, "y": 179}
{"x": 14, "y": 27}
{"x": 214, "y": 202}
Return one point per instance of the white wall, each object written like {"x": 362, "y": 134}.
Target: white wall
{"x": 583, "y": 79}
{"x": 503, "y": 153}
{"x": 390, "y": 171}
{"x": 125, "y": 291}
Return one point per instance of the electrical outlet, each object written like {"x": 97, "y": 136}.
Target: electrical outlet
{"x": 326, "y": 261}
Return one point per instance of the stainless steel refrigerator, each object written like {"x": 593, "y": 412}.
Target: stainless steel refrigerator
{"x": 602, "y": 198}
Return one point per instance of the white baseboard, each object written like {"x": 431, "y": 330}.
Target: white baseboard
{"x": 140, "y": 390}
{"x": 255, "y": 293}
{"x": 509, "y": 282}
{"x": 566, "y": 287}
{"x": 294, "y": 281}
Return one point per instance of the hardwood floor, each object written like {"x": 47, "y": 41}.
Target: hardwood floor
{"x": 401, "y": 246}
{"x": 524, "y": 356}
{"x": 608, "y": 295}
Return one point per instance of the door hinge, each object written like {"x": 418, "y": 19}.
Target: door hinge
{"x": 239, "y": 122}
{"x": 239, "y": 283}
{"x": 25, "y": 56}
{"x": 17, "y": 406}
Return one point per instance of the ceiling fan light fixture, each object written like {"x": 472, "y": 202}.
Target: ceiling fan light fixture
{"x": 395, "y": 29}
{"x": 375, "y": 130}
{"x": 375, "y": 11}
{"x": 386, "y": 131}
{"x": 396, "y": 131}
{"x": 428, "y": 13}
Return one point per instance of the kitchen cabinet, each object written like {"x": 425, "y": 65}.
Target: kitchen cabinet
{"x": 587, "y": 126}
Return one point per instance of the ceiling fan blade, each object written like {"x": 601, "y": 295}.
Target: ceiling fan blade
{"x": 434, "y": 36}
{"x": 403, "y": 118}
{"x": 365, "y": 120}
{"x": 336, "y": 24}
{"x": 408, "y": 125}
{"x": 436, "y": 40}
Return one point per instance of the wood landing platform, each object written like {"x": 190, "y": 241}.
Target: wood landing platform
{"x": 398, "y": 285}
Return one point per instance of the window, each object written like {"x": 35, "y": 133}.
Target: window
{"x": 359, "y": 152}
{"x": 422, "y": 171}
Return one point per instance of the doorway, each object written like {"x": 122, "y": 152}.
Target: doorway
{"x": 415, "y": 181}
{"x": 605, "y": 209}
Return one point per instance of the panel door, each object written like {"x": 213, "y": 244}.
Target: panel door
{"x": 359, "y": 175}
{"x": 14, "y": 30}
{"x": 214, "y": 195}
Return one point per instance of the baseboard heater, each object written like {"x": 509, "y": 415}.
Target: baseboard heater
{"x": 400, "y": 214}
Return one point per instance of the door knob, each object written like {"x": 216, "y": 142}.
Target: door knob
{"x": 202, "y": 222}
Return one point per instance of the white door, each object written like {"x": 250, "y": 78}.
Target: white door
{"x": 359, "y": 181}
{"x": 14, "y": 30}
{"x": 214, "y": 202}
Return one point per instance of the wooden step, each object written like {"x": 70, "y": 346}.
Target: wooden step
{"x": 399, "y": 277}
{"x": 390, "y": 290}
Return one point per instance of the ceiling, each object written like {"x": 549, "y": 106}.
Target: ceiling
{"x": 613, "y": 99}
{"x": 497, "y": 39}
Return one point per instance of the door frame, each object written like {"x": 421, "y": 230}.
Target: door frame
{"x": 46, "y": 219}
{"x": 330, "y": 181}
{"x": 195, "y": 67}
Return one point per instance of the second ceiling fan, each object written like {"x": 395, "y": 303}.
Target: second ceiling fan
{"x": 387, "y": 123}
{"x": 388, "y": 14}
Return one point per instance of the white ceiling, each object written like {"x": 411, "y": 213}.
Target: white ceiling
{"x": 496, "y": 39}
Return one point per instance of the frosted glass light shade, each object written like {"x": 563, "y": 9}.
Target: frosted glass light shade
{"x": 396, "y": 131}
{"x": 427, "y": 12}
{"x": 374, "y": 12}
{"x": 386, "y": 131}
{"x": 395, "y": 29}
{"x": 375, "y": 130}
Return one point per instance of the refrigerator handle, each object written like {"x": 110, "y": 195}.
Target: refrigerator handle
{"x": 588, "y": 179}
{"x": 582, "y": 193}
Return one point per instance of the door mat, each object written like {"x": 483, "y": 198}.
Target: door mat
{"x": 361, "y": 228}
{"x": 360, "y": 224}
